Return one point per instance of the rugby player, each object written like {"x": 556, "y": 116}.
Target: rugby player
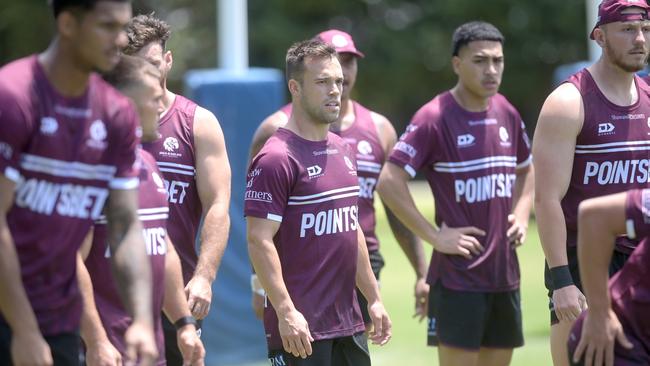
{"x": 303, "y": 231}
{"x": 191, "y": 154}
{"x": 471, "y": 144}
{"x": 105, "y": 319}
{"x": 371, "y": 137}
{"x": 591, "y": 139}
{"x": 613, "y": 330}
{"x": 68, "y": 151}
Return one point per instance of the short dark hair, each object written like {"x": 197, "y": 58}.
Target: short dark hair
{"x": 130, "y": 71}
{"x": 144, "y": 29}
{"x": 474, "y": 31}
{"x": 60, "y": 5}
{"x": 299, "y": 51}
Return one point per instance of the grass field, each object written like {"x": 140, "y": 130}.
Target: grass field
{"x": 408, "y": 346}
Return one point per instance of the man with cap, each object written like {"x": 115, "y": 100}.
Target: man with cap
{"x": 591, "y": 140}
{"x": 371, "y": 137}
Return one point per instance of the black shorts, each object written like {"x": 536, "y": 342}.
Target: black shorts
{"x": 173, "y": 355}
{"x": 345, "y": 351}
{"x": 65, "y": 347}
{"x": 471, "y": 320}
{"x": 637, "y": 356}
{"x": 377, "y": 263}
{"x": 617, "y": 262}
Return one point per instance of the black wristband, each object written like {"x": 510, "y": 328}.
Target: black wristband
{"x": 183, "y": 321}
{"x": 561, "y": 277}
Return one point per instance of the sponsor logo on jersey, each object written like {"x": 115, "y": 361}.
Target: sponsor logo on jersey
{"x": 410, "y": 128}
{"x": 176, "y": 191}
{"x": 481, "y": 122}
{"x": 252, "y": 174}
{"x": 69, "y": 200}
{"x": 251, "y": 195}
{"x": 465, "y": 140}
{"x": 328, "y": 222}
{"x": 627, "y": 116}
{"x": 325, "y": 152}
{"x": 72, "y": 112}
{"x": 154, "y": 239}
{"x": 49, "y": 126}
{"x": 160, "y": 183}
{"x": 367, "y": 187}
{"x": 617, "y": 172}
{"x": 406, "y": 148}
{"x": 484, "y": 188}
{"x": 314, "y": 171}
{"x": 349, "y": 164}
{"x": 606, "y": 129}
{"x": 364, "y": 147}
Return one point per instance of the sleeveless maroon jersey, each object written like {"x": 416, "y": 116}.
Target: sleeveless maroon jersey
{"x": 153, "y": 212}
{"x": 64, "y": 155}
{"x": 364, "y": 140}
{"x": 470, "y": 161}
{"x": 174, "y": 152}
{"x": 611, "y": 152}
{"x": 311, "y": 188}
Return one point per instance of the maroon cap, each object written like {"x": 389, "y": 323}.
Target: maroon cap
{"x": 341, "y": 41}
{"x": 610, "y": 11}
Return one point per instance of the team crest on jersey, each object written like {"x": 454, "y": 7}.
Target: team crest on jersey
{"x": 98, "y": 134}
{"x": 171, "y": 144}
{"x": 364, "y": 147}
{"x": 49, "y": 126}
{"x": 504, "y": 136}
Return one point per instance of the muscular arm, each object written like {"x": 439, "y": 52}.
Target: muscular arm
{"x": 213, "y": 184}
{"x": 175, "y": 302}
{"x": 293, "y": 327}
{"x": 175, "y": 307}
{"x": 559, "y": 123}
{"x": 14, "y": 304}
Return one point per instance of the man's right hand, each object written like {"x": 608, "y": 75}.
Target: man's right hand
{"x": 568, "y": 303}
{"x": 30, "y": 348}
{"x": 102, "y": 353}
{"x": 294, "y": 331}
{"x": 459, "y": 241}
{"x": 140, "y": 344}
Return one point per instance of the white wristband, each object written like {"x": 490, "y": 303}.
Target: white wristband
{"x": 256, "y": 286}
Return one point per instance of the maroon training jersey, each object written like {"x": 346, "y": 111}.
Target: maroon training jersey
{"x": 174, "y": 151}
{"x": 64, "y": 154}
{"x": 311, "y": 188}
{"x": 153, "y": 212}
{"x": 629, "y": 288}
{"x": 611, "y": 152}
{"x": 364, "y": 140}
{"x": 469, "y": 159}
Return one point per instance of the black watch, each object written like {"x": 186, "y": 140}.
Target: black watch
{"x": 183, "y": 321}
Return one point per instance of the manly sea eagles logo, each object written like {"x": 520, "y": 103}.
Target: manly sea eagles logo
{"x": 98, "y": 135}
{"x": 49, "y": 125}
{"x": 364, "y": 147}
{"x": 171, "y": 144}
